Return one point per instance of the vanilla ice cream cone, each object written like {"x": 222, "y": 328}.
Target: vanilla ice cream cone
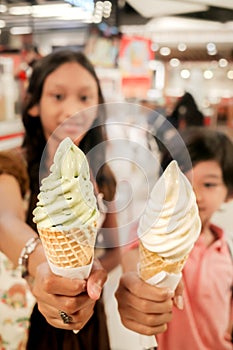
{"x": 169, "y": 226}
{"x": 167, "y": 231}
{"x": 151, "y": 263}
{"x": 68, "y": 249}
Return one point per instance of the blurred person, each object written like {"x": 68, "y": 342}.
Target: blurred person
{"x": 186, "y": 113}
{"x": 16, "y": 300}
{"x": 30, "y": 54}
{"x": 62, "y": 84}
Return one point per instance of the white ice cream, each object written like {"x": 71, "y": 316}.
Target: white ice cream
{"x": 170, "y": 224}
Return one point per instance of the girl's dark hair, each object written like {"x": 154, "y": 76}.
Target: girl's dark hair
{"x": 34, "y": 140}
{"x": 204, "y": 144}
{"x": 12, "y": 163}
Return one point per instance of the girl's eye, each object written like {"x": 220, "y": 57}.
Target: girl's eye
{"x": 58, "y": 97}
{"x": 84, "y": 98}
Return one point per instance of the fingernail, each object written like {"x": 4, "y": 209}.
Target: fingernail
{"x": 84, "y": 286}
{"x": 96, "y": 290}
{"x": 179, "y": 302}
{"x": 170, "y": 293}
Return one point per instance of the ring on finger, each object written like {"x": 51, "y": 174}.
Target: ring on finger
{"x": 65, "y": 318}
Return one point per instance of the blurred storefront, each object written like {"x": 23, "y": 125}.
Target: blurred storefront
{"x": 136, "y": 57}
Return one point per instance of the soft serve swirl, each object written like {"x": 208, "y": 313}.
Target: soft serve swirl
{"x": 170, "y": 224}
{"x": 66, "y": 198}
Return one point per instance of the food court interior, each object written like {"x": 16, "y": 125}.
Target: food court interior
{"x": 151, "y": 51}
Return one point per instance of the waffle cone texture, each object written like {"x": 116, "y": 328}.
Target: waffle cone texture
{"x": 68, "y": 249}
{"x": 151, "y": 263}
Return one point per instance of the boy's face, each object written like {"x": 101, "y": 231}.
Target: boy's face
{"x": 208, "y": 185}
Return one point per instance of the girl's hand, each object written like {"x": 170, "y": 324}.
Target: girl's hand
{"x": 74, "y": 297}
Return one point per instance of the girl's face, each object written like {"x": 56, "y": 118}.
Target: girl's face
{"x": 208, "y": 185}
{"x": 66, "y": 91}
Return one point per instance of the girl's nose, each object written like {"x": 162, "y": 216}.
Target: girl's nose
{"x": 71, "y": 109}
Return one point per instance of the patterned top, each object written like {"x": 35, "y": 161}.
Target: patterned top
{"x": 16, "y": 303}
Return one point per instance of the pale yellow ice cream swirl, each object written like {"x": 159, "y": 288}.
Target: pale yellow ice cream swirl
{"x": 66, "y": 198}
{"x": 170, "y": 224}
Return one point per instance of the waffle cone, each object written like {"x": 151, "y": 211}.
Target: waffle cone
{"x": 68, "y": 249}
{"x": 151, "y": 263}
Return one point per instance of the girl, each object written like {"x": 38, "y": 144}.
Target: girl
{"x": 62, "y": 84}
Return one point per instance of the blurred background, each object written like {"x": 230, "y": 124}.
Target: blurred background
{"x": 143, "y": 50}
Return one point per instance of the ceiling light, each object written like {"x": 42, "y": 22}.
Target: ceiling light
{"x": 211, "y": 49}
{"x": 174, "y": 62}
{"x": 20, "y": 10}
{"x": 230, "y": 74}
{"x": 165, "y": 51}
{"x": 208, "y": 74}
{"x": 107, "y": 9}
{"x": 222, "y": 63}
{"x": 102, "y": 9}
{"x": 185, "y": 73}
{"x": 87, "y": 5}
{"x": 3, "y": 8}
{"x": 20, "y": 30}
{"x": 182, "y": 47}
{"x": 57, "y": 10}
{"x": 61, "y": 11}
{"x": 2, "y": 24}
{"x": 75, "y": 13}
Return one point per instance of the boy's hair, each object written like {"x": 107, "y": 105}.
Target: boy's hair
{"x": 205, "y": 144}
{"x": 13, "y": 164}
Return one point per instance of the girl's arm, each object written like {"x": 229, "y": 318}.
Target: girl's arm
{"x": 13, "y": 229}
{"x": 53, "y": 293}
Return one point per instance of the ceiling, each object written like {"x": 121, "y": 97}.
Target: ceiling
{"x": 168, "y": 22}
{"x": 216, "y": 10}
{"x": 195, "y": 23}
{"x": 135, "y": 11}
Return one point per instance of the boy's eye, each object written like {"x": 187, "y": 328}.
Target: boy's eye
{"x": 210, "y": 184}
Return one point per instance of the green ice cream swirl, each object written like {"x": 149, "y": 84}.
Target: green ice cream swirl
{"x": 66, "y": 198}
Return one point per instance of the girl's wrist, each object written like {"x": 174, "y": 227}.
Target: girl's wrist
{"x": 29, "y": 248}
